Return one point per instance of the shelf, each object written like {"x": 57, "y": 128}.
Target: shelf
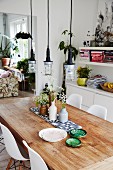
{"x": 96, "y": 64}
{"x": 96, "y": 48}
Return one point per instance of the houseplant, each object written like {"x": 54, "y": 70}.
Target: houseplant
{"x": 65, "y": 46}
{"x": 29, "y": 82}
{"x": 8, "y": 47}
{"x": 83, "y": 74}
{"x": 42, "y": 100}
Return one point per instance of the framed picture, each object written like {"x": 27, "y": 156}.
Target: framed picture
{"x": 104, "y": 26}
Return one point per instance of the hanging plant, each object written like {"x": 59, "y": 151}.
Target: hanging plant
{"x": 65, "y": 45}
{"x": 23, "y": 35}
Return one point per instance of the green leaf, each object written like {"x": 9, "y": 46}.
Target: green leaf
{"x": 61, "y": 45}
{"x": 64, "y": 32}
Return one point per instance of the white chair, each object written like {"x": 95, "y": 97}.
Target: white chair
{"x": 12, "y": 147}
{"x": 36, "y": 161}
{"x": 74, "y": 100}
{"x": 1, "y": 140}
{"x": 98, "y": 110}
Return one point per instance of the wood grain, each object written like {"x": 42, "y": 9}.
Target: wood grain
{"x": 96, "y": 150}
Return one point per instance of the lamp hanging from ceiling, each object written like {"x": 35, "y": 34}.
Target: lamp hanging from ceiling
{"x": 70, "y": 66}
{"x": 32, "y": 61}
{"x": 48, "y": 63}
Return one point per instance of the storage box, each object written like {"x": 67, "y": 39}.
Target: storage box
{"x": 97, "y": 56}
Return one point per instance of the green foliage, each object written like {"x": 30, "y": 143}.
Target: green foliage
{"x": 83, "y": 72}
{"x": 23, "y": 65}
{"x": 7, "y": 45}
{"x": 42, "y": 99}
{"x": 65, "y": 45}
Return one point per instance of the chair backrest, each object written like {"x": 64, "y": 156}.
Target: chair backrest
{"x": 98, "y": 110}
{"x": 36, "y": 161}
{"x": 10, "y": 144}
{"x": 74, "y": 100}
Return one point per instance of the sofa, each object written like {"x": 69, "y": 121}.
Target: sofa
{"x": 8, "y": 86}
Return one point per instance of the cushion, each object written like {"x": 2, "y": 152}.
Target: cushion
{"x": 5, "y": 74}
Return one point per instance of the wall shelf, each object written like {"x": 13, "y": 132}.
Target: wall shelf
{"x": 107, "y": 64}
{"x": 96, "y": 63}
{"x": 96, "y": 48}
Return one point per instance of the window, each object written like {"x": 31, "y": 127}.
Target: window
{"x": 16, "y": 26}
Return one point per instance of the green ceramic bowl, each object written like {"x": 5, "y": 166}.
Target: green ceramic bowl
{"x": 78, "y": 133}
{"x": 73, "y": 142}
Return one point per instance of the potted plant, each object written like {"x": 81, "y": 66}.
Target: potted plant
{"x": 42, "y": 100}
{"x": 64, "y": 46}
{"x": 22, "y": 65}
{"x": 83, "y": 75}
{"x": 8, "y": 47}
{"x": 29, "y": 82}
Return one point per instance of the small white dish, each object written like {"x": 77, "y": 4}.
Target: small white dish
{"x": 52, "y": 134}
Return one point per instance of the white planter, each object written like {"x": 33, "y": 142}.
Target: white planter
{"x": 63, "y": 115}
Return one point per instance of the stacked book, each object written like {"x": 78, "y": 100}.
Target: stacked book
{"x": 95, "y": 81}
{"x": 85, "y": 55}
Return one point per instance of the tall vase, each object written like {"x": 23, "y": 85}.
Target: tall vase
{"x": 53, "y": 111}
{"x": 63, "y": 115}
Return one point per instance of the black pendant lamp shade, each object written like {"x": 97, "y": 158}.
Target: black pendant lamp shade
{"x": 70, "y": 66}
{"x": 32, "y": 61}
{"x": 48, "y": 63}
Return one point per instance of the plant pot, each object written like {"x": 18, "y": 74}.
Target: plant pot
{"x": 5, "y": 61}
{"x": 44, "y": 110}
{"x": 81, "y": 81}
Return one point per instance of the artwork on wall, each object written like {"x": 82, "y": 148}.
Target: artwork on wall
{"x": 104, "y": 26}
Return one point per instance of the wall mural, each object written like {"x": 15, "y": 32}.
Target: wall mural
{"x": 104, "y": 27}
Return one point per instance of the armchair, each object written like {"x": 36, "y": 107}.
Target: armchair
{"x": 9, "y": 86}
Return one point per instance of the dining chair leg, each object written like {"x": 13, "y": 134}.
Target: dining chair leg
{"x": 9, "y": 164}
{"x": 23, "y": 163}
{"x": 2, "y": 150}
{"x": 20, "y": 165}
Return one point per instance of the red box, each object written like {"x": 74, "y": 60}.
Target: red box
{"x": 97, "y": 56}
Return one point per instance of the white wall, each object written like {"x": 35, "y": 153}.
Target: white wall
{"x": 85, "y": 15}
{"x": 84, "y": 18}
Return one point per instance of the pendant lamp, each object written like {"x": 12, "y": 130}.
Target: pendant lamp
{"x": 32, "y": 61}
{"x": 70, "y": 66}
{"x": 48, "y": 63}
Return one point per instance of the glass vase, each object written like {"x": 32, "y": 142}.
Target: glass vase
{"x": 63, "y": 115}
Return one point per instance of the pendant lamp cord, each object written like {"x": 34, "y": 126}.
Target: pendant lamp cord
{"x": 48, "y": 21}
{"x": 31, "y": 21}
{"x": 71, "y": 23}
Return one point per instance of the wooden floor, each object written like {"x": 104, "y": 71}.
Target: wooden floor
{"x": 4, "y": 157}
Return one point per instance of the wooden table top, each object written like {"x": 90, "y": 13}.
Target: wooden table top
{"x": 96, "y": 151}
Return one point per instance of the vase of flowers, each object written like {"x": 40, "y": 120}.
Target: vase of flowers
{"x": 41, "y": 101}
{"x": 83, "y": 75}
{"x": 63, "y": 115}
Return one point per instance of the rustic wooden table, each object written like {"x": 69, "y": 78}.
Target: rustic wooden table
{"x": 96, "y": 151}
